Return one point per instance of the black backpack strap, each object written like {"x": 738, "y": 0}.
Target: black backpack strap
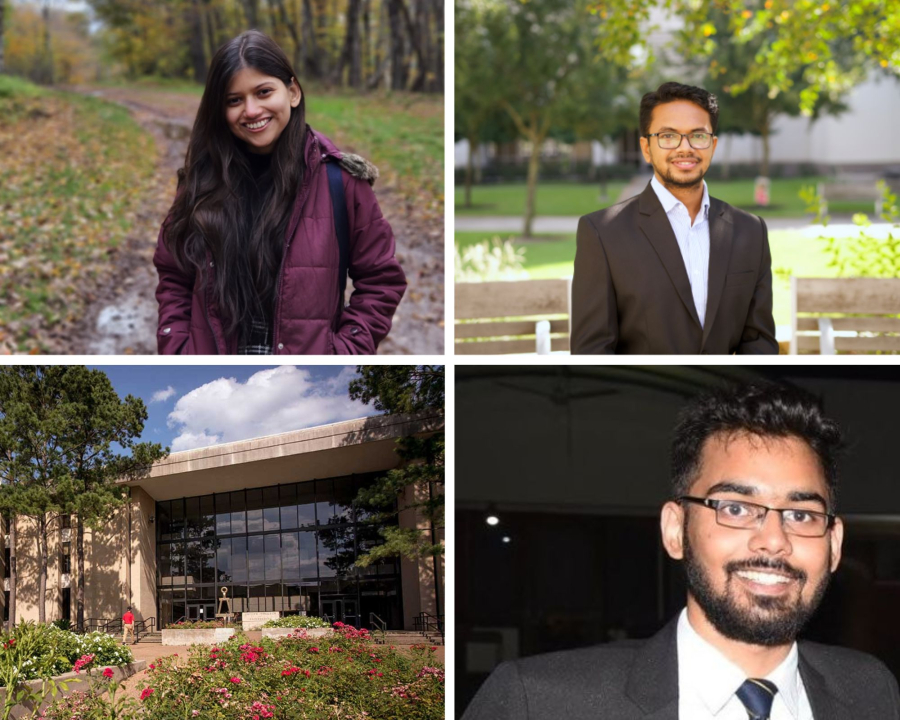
{"x": 341, "y": 222}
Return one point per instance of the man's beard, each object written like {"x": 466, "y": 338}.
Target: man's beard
{"x": 670, "y": 181}
{"x": 768, "y": 620}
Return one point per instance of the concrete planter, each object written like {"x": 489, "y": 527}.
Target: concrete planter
{"x": 284, "y": 632}
{"x": 77, "y": 682}
{"x": 211, "y": 636}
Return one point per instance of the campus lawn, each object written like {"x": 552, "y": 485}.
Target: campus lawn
{"x": 793, "y": 253}
{"x": 552, "y": 198}
{"x": 581, "y": 198}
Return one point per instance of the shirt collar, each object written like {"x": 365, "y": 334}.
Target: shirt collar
{"x": 716, "y": 679}
{"x": 670, "y": 202}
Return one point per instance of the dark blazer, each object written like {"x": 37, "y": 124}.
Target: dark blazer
{"x": 631, "y": 294}
{"x": 639, "y": 681}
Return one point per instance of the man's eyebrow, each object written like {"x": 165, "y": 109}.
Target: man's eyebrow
{"x": 697, "y": 129}
{"x": 801, "y": 496}
{"x": 732, "y": 487}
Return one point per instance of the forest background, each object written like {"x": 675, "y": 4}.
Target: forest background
{"x": 100, "y": 97}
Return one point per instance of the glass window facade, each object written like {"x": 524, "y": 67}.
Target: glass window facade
{"x": 287, "y": 548}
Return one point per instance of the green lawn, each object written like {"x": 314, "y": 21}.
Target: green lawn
{"x": 792, "y": 254}
{"x": 579, "y": 198}
{"x": 552, "y": 199}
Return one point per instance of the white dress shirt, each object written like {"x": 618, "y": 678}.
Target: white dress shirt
{"x": 693, "y": 241}
{"x": 708, "y": 681}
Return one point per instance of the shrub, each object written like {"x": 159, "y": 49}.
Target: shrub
{"x": 298, "y": 621}
{"x": 42, "y": 651}
{"x": 195, "y": 625}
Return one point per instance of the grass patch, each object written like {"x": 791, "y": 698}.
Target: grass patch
{"x": 74, "y": 173}
{"x": 551, "y": 199}
{"x": 792, "y": 254}
{"x": 402, "y": 133}
{"x": 579, "y": 198}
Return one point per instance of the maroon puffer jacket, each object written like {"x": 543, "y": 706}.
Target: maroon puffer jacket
{"x": 307, "y": 316}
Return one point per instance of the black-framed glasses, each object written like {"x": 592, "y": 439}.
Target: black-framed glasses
{"x": 672, "y": 140}
{"x": 750, "y": 516}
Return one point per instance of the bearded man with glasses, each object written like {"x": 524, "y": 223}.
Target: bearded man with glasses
{"x": 752, "y": 518}
{"x": 672, "y": 270}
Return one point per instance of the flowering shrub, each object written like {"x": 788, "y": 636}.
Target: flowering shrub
{"x": 43, "y": 651}
{"x": 195, "y": 625}
{"x": 296, "y": 678}
{"x": 297, "y": 621}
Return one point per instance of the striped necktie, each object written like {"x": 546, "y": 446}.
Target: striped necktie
{"x": 757, "y": 696}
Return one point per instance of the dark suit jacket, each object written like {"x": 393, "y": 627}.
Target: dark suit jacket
{"x": 631, "y": 294}
{"x": 639, "y": 681}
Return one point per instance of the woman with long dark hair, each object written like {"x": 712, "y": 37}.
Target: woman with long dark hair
{"x": 269, "y": 219}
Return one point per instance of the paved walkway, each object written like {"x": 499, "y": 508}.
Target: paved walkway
{"x": 569, "y": 224}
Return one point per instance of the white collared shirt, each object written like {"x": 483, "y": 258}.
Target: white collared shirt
{"x": 693, "y": 241}
{"x": 708, "y": 681}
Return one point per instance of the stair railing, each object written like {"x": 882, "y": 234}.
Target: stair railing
{"x": 379, "y": 626}
{"x": 143, "y": 628}
{"x": 426, "y": 623}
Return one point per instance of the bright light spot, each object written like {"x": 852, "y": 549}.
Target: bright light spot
{"x": 507, "y": 539}
{"x": 492, "y": 520}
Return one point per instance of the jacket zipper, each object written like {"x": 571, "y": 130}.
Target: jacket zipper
{"x": 287, "y": 246}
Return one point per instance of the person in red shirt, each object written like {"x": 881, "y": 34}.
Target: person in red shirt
{"x": 128, "y": 626}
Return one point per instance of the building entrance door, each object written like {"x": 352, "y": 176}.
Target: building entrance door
{"x": 201, "y": 611}
{"x": 341, "y": 608}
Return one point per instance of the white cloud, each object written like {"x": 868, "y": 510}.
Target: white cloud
{"x": 269, "y": 402}
{"x": 162, "y": 395}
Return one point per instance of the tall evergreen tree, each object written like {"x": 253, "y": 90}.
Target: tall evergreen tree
{"x": 66, "y": 442}
{"x": 405, "y": 389}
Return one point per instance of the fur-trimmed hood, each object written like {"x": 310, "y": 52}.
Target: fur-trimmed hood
{"x": 355, "y": 165}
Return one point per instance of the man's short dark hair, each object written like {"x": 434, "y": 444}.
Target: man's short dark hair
{"x": 762, "y": 409}
{"x": 671, "y": 91}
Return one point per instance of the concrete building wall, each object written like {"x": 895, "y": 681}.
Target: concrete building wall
{"x": 120, "y": 557}
{"x": 422, "y": 591}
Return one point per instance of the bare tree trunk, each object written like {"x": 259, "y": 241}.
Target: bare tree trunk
{"x": 13, "y": 572}
{"x": 251, "y": 12}
{"x": 438, "y": 63}
{"x": 79, "y": 587}
{"x": 366, "y": 50}
{"x": 42, "y": 572}
{"x": 419, "y": 83}
{"x": 534, "y": 163}
{"x": 2, "y": 61}
{"x": 350, "y": 53}
{"x": 48, "y": 50}
{"x": 292, "y": 29}
{"x": 764, "y": 134}
{"x": 397, "y": 47}
{"x": 310, "y": 47}
{"x": 198, "y": 56}
{"x": 470, "y": 165}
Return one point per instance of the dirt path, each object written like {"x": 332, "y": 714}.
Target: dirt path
{"x": 121, "y": 317}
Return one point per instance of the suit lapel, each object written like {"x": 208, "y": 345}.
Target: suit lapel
{"x": 653, "y": 681}
{"x": 825, "y": 703}
{"x": 721, "y": 231}
{"x": 655, "y": 225}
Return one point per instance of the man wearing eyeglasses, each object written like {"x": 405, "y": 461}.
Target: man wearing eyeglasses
{"x": 672, "y": 270}
{"x": 752, "y": 518}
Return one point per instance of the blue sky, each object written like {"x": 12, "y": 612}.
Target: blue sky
{"x": 193, "y": 406}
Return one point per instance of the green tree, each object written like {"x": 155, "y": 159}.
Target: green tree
{"x": 807, "y": 39}
{"x": 403, "y": 389}
{"x": 475, "y": 104}
{"x": 65, "y": 432}
{"x": 754, "y": 107}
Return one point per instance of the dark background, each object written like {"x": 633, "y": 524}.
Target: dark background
{"x": 574, "y": 461}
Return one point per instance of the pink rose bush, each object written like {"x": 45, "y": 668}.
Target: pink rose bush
{"x": 293, "y": 678}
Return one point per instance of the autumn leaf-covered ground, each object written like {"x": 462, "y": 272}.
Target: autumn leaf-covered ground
{"x": 72, "y": 175}
{"x": 85, "y": 183}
